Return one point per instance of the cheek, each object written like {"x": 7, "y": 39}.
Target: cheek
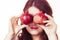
{"x": 28, "y": 29}
{"x": 40, "y": 29}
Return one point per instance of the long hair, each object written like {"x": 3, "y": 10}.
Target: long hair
{"x": 41, "y": 5}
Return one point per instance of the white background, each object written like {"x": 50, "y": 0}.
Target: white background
{"x": 9, "y": 8}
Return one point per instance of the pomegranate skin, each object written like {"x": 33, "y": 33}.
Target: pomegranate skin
{"x": 39, "y": 18}
{"x": 26, "y": 18}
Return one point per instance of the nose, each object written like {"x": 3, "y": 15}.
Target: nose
{"x": 32, "y": 23}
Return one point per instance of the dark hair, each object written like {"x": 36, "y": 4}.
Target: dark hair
{"x": 41, "y": 5}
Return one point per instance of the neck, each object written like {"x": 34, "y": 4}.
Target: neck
{"x": 37, "y": 37}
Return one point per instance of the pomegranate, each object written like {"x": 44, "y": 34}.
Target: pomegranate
{"x": 39, "y": 18}
{"x": 26, "y": 18}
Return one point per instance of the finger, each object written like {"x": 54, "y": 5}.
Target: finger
{"x": 48, "y": 24}
{"x": 19, "y": 33}
{"x": 48, "y": 16}
{"x": 19, "y": 21}
{"x": 47, "y": 21}
{"x": 23, "y": 26}
{"x": 20, "y": 28}
{"x": 14, "y": 20}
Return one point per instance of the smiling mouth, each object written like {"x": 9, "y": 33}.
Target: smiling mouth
{"x": 33, "y": 27}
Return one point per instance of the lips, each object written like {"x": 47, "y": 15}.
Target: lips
{"x": 33, "y": 27}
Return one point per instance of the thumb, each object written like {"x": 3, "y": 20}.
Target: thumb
{"x": 20, "y": 27}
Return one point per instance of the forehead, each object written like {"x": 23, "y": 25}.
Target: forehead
{"x": 33, "y": 10}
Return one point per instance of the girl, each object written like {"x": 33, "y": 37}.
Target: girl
{"x": 34, "y": 31}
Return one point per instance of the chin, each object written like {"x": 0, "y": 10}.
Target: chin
{"x": 34, "y": 33}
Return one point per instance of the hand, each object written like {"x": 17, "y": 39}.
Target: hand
{"x": 50, "y": 27}
{"x": 15, "y": 27}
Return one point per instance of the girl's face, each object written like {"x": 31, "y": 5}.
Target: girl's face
{"x": 34, "y": 29}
